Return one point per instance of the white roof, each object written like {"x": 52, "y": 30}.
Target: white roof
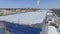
{"x": 26, "y": 18}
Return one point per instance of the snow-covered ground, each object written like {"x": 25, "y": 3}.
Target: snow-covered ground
{"x": 52, "y": 30}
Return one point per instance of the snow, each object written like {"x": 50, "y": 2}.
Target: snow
{"x": 25, "y": 18}
{"x": 52, "y": 30}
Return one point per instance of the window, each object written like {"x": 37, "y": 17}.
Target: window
{"x": 49, "y": 19}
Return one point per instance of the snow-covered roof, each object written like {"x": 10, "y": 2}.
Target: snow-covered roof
{"x": 25, "y": 18}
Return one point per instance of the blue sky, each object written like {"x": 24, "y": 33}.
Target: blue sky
{"x": 29, "y": 3}
{"x": 50, "y": 4}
